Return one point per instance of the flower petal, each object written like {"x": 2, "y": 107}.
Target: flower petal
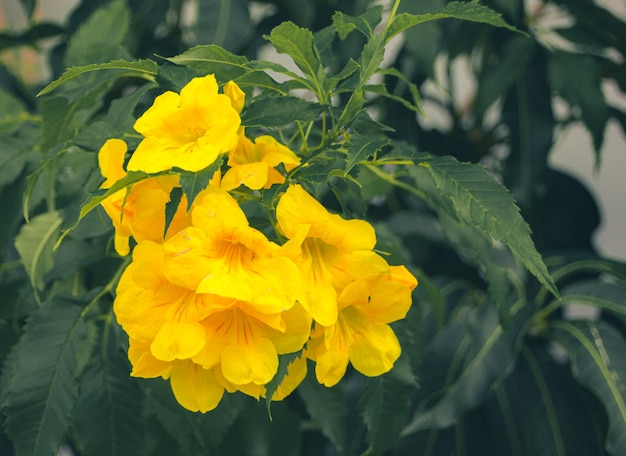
{"x": 253, "y": 361}
{"x": 178, "y": 340}
{"x": 195, "y": 388}
{"x": 111, "y": 161}
{"x": 375, "y": 350}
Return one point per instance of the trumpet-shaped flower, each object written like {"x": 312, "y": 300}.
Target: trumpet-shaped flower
{"x": 212, "y": 307}
{"x": 330, "y": 251}
{"x": 187, "y": 130}
{"x": 254, "y": 164}
{"x": 362, "y": 335}
{"x": 139, "y": 210}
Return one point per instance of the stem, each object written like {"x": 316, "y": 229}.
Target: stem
{"x": 108, "y": 288}
{"x": 392, "y": 14}
{"x": 392, "y": 180}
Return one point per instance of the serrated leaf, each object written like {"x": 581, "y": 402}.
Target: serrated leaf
{"x": 213, "y": 59}
{"x": 327, "y": 407}
{"x": 597, "y": 362}
{"x": 371, "y": 58}
{"x": 283, "y": 365}
{"x": 468, "y": 11}
{"x": 297, "y": 43}
{"x": 262, "y": 80}
{"x": 279, "y": 111}
{"x": 473, "y": 196}
{"x": 145, "y": 69}
{"x": 362, "y": 147}
{"x": 35, "y": 243}
{"x": 462, "y": 370}
{"x": 193, "y": 183}
{"x": 108, "y": 416}
{"x": 40, "y": 398}
{"x": 365, "y": 23}
{"x": 385, "y": 405}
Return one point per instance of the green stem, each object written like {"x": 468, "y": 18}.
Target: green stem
{"x": 392, "y": 180}
{"x": 108, "y": 288}
{"x": 392, "y": 14}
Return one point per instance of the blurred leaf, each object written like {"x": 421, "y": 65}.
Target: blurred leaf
{"x": 610, "y": 297}
{"x": 43, "y": 388}
{"x": 413, "y": 90}
{"x": 385, "y": 405}
{"x": 12, "y": 112}
{"x": 31, "y": 36}
{"x": 108, "y": 416}
{"x": 327, "y": 407}
{"x": 35, "y": 242}
{"x": 498, "y": 78}
{"x": 584, "y": 91}
{"x": 279, "y": 111}
{"x": 470, "y": 193}
{"x": 261, "y": 80}
{"x": 29, "y": 7}
{"x": 223, "y": 22}
{"x": 365, "y": 23}
{"x": 468, "y": 11}
{"x": 213, "y": 59}
{"x": 597, "y": 361}
{"x": 145, "y": 69}
{"x": 117, "y": 123}
{"x": 262, "y": 437}
{"x": 462, "y": 372}
{"x": 477, "y": 250}
{"x": 101, "y": 37}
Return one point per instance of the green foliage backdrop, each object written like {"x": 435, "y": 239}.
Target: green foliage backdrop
{"x": 499, "y": 241}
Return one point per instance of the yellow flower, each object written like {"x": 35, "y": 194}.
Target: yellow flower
{"x": 212, "y": 307}
{"x": 138, "y": 211}
{"x": 254, "y": 164}
{"x": 362, "y": 334}
{"x": 330, "y": 251}
{"x": 188, "y": 131}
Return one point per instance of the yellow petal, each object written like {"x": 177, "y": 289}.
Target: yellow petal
{"x": 235, "y": 94}
{"x": 296, "y": 332}
{"x": 402, "y": 275}
{"x": 249, "y": 361}
{"x": 273, "y": 153}
{"x": 111, "y": 161}
{"x": 375, "y": 350}
{"x": 144, "y": 363}
{"x": 216, "y": 210}
{"x": 178, "y": 340}
{"x": 252, "y": 175}
{"x": 332, "y": 356}
{"x": 195, "y": 388}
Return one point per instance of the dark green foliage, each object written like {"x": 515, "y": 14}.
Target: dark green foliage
{"x": 501, "y": 243}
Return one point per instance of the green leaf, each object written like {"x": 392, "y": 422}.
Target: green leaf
{"x": 213, "y": 59}
{"x": 371, "y": 58}
{"x": 297, "y": 43}
{"x": 327, "y": 407}
{"x": 193, "y": 183}
{"x": 353, "y": 108}
{"x": 283, "y": 365}
{"x": 261, "y": 437}
{"x": 223, "y": 22}
{"x": 462, "y": 365}
{"x": 101, "y": 37}
{"x": 384, "y": 406}
{"x": 413, "y": 90}
{"x": 584, "y": 91}
{"x": 496, "y": 80}
{"x": 262, "y": 80}
{"x": 40, "y": 397}
{"x": 279, "y": 111}
{"x": 108, "y": 416}
{"x": 35, "y": 243}
{"x": 468, "y": 11}
{"x": 597, "y": 361}
{"x": 365, "y": 23}
{"x": 145, "y": 69}
{"x": 362, "y": 147}
{"x": 475, "y": 249}
{"x": 472, "y": 195}
{"x": 12, "y": 112}
{"x": 610, "y": 297}
{"x": 130, "y": 179}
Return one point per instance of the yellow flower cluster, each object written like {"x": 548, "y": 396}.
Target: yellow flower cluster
{"x": 212, "y": 302}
